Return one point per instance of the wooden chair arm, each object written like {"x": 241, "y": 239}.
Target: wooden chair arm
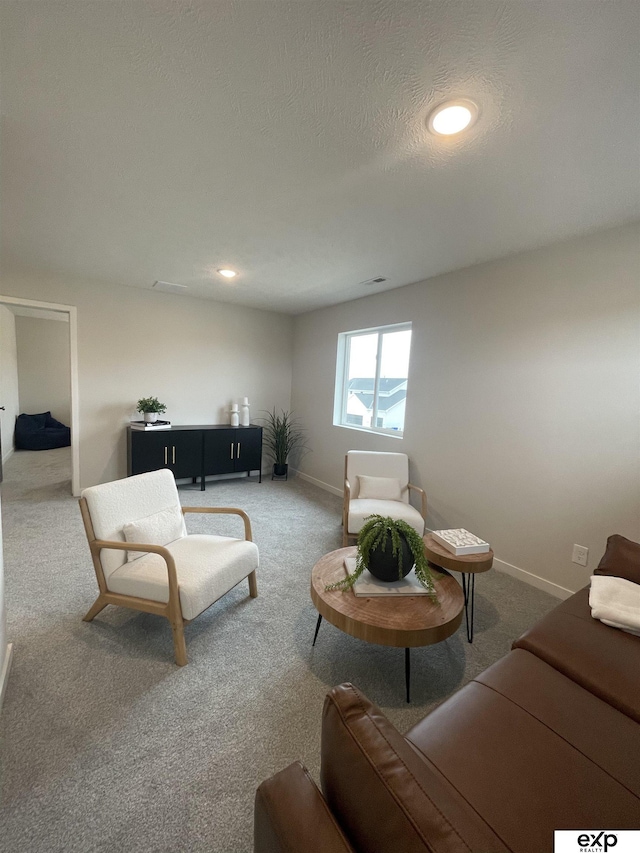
{"x": 345, "y": 502}
{"x": 423, "y": 496}
{"x": 224, "y": 510}
{"x": 174, "y": 593}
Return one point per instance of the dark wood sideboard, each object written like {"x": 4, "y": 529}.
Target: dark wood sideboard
{"x": 196, "y": 451}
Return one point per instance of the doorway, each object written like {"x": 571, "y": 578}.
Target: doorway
{"x": 52, "y": 310}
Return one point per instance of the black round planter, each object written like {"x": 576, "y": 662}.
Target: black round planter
{"x": 280, "y": 470}
{"x": 384, "y": 566}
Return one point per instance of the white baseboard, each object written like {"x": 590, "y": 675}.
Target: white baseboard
{"x": 6, "y": 456}
{"x": 528, "y": 577}
{"x": 4, "y": 672}
{"x": 318, "y": 483}
{"x": 533, "y": 580}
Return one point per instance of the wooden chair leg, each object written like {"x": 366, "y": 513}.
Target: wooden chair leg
{"x": 345, "y": 537}
{"x": 98, "y": 605}
{"x": 253, "y": 584}
{"x": 178, "y": 642}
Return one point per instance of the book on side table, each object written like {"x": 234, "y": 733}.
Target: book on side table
{"x": 460, "y": 542}
{"x": 149, "y": 427}
{"x": 368, "y": 586}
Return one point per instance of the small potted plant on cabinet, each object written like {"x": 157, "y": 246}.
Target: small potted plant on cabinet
{"x": 389, "y": 548}
{"x": 150, "y": 408}
{"x": 282, "y": 436}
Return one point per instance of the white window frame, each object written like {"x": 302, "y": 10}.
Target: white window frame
{"x": 342, "y": 378}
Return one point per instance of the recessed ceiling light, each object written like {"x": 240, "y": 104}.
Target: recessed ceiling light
{"x": 452, "y": 117}
{"x": 228, "y": 273}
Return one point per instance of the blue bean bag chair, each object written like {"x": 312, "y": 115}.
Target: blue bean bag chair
{"x": 40, "y": 432}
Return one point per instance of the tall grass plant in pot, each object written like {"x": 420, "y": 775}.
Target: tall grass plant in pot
{"x": 282, "y": 436}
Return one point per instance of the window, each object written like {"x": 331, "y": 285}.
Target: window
{"x": 371, "y": 378}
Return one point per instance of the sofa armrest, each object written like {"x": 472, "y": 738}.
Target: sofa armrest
{"x": 386, "y": 795}
{"x": 292, "y": 815}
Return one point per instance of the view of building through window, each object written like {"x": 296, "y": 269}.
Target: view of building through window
{"x": 373, "y": 367}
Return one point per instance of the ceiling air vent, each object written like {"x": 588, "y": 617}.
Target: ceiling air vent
{"x": 377, "y": 280}
{"x": 169, "y": 287}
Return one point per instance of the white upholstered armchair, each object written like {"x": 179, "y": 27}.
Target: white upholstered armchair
{"x": 378, "y": 483}
{"x": 145, "y": 560}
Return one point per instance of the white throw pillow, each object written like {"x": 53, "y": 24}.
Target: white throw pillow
{"x": 157, "y": 529}
{"x": 379, "y": 488}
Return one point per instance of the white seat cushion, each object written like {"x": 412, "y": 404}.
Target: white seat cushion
{"x": 207, "y": 568}
{"x": 360, "y": 508}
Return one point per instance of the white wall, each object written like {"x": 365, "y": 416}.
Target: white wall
{"x": 8, "y": 399}
{"x": 195, "y": 355}
{"x": 523, "y": 409}
{"x": 43, "y": 367}
{"x": 8, "y": 380}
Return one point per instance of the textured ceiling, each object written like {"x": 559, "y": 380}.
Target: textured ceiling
{"x": 162, "y": 140}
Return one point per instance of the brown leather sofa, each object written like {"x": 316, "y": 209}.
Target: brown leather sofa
{"x": 547, "y": 738}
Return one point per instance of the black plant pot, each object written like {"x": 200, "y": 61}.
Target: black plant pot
{"x": 280, "y": 470}
{"x": 384, "y": 566}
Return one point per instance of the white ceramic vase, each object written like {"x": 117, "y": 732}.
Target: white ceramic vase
{"x": 150, "y": 417}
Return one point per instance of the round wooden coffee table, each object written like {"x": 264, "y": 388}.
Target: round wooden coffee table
{"x": 467, "y": 564}
{"x": 403, "y": 621}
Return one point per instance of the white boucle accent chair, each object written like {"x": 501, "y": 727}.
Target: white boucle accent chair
{"x": 378, "y": 483}
{"x": 145, "y": 560}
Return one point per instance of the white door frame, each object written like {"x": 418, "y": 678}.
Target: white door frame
{"x": 72, "y": 311}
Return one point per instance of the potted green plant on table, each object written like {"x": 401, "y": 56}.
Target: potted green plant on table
{"x": 150, "y": 408}
{"x": 283, "y": 435}
{"x": 389, "y": 548}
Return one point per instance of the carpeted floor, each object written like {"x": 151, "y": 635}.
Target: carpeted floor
{"x": 107, "y": 745}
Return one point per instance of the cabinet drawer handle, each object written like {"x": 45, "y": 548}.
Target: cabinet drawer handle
{"x": 174, "y": 455}
{"x": 232, "y": 450}
{"x": 165, "y": 455}
{"x": 238, "y": 453}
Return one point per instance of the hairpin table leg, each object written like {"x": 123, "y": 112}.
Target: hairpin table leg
{"x": 315, "y": 636}
{"x": 469, "y": 589}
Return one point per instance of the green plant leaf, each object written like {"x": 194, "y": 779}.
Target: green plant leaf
{"x": 282, "y": 435}
{"x": 376, "y": 531}
{"x": 151, "y": 404}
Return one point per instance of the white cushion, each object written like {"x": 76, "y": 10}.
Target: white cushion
{"x": 361, "y": 508}
{"x": 379, "y": 488}
{"x": 112, "y": 505}
{"x": 207, "y": 568}
{"x": 157, "y": 529}
{"x": 372, "y": 463}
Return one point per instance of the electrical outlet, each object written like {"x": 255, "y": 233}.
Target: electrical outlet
{"x": 580, "y": 555}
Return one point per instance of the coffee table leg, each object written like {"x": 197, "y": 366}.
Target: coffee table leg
{"x": 407, "y": 671}
{"x": 315, "y": 636}
{"x": 469, "y": 589}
